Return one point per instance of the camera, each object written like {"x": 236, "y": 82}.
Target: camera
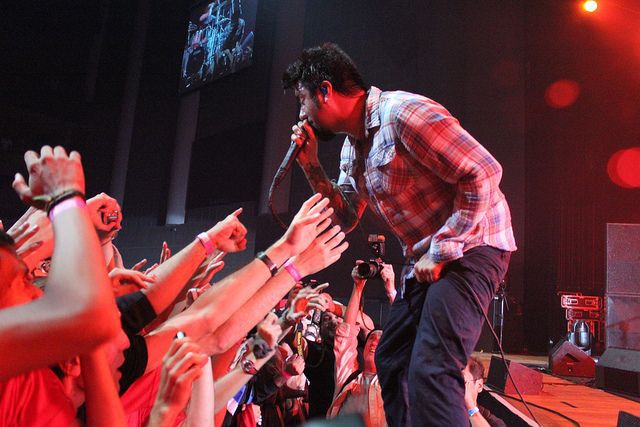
{"x": 371, "y": 269}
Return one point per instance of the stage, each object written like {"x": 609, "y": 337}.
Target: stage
{"x": 584, "y": 405}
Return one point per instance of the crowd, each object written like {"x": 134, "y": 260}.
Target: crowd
{"x": 84, "y": 340}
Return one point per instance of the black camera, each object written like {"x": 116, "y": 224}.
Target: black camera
{"x": 371, "y": 269}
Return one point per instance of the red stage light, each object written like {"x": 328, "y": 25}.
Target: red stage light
{"x": 590, "y": 6}
{"x": 562, "y": 93}
{"x": 623, "y": 168}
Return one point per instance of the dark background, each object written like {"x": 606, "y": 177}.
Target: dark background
{"x": 63, "y": 80}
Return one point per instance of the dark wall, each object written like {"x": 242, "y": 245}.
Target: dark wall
{"x": 465, "y": 55}
{"x": 569, "y": 195}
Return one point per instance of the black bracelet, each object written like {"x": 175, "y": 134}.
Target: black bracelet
{"x": 62, "y": 197}
{"x": 267, "y": 261}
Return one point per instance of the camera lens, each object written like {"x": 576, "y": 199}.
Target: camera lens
{"x": 367, "y": 270}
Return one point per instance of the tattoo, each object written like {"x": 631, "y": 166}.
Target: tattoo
{"x": 345, "y": 215}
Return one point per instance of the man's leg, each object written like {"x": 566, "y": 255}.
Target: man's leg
{"x": 394, "y": 351}
{"x": 450, "y": 324}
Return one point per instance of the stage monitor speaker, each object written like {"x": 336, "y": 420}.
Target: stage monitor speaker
{"x": 528, "y": 380}
{"x": 627, "y": 420}
{"x": 618, "y": 369}
{"x": 566, "y": 359}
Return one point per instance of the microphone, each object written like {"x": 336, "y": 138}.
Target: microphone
{"x": 292, "y": 154}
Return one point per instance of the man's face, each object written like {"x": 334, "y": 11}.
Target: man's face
{"x": 114, "y": 351}
{"x": 16, "y": 286}
{"x": 472, "y": 385}
{"x": 312, "y": 110}
{"x": 370, "y": 351}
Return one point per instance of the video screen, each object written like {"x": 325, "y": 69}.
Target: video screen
{"x": 219, "y": 41}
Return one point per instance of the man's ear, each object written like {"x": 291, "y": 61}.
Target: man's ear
{"x": 71, "y": 367}
{"x": 326, "y": 90}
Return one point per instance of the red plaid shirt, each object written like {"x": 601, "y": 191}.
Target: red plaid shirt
{"x": 433, "y": 183}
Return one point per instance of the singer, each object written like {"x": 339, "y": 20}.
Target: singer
{"x": 437, "y": 188}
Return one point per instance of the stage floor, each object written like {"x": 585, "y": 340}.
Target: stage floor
{"x": 587, "y": 406}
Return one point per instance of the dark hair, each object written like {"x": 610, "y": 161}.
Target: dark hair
{"x": 369, "y": 334}
{"x": 476, "y": 368}
{"x": 6, "y": 241}
{"x": 326, "y": 62}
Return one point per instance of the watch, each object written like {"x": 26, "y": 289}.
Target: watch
{"x": 248, "y": 367}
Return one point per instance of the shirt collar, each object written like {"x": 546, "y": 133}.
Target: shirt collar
{"x": 372, "y": 118}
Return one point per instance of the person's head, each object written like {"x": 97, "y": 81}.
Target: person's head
{"x": 370, "y": 346}
{"x": 16, "y": 285}
{"x": 473, "y": 375}
{"x": 70, "y": 372}
{"x": 320, "y": 75}
{"x": 328, "y": 325}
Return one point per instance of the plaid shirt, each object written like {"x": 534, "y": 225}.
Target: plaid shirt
{"x": 433, "y": 183}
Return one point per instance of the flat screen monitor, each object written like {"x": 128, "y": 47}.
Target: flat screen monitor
{"x": 219, "y": 41}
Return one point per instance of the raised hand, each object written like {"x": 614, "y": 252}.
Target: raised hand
{"x": 165, "y": 253}
{"x": 270, "y": 330}
{"x": 51, "y": 173}
{"x": 229, "y": 235}
{"x": 305, "y": 300}
{"x": 33, "y": 235}
{"x": 106, "y": 216}
{"x": 323, "y": 251}
{"x": 125, "y": 281}
{"x": 311, "y": 220}
{"x": 181, "y": 366}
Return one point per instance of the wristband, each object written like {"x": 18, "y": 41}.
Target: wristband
{"x": 248, "y": 366}
{"x": 206, "y": 242}
{"x": 267, "y": 261}
{"x": 52, "y": 201}
{"x": 69, "y": 203}
{"x": 292, "y": 270}
{"x": 473, "y": 411}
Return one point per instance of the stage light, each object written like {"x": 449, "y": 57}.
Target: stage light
{"x": 623, "y": 168}
{"x": 590, "y": 6}
{"x": 562, "y": 93}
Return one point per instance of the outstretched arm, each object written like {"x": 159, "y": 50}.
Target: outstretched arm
{"x": 78, "y": 290}
{"x": 348, "y": 208}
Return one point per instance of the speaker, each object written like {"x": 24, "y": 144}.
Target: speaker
{"x": 618, "y": 369}
{"x": 528, "y": 380}
{"x": 566, "y": 359}
{"x": 627, "y": 420}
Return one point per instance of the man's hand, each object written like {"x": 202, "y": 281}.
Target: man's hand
{"x": 229, "y": 235}
{"x": 33, "y": 236}
{"x": 269, "y": 330}
{"x": 389, "y": 278}
{"x": 427, "y": 270}
{"x": 125, "y": 281}
{"x": 106, "y": 216}
{"x": 294, "y": 364}
{"x": 305, "y": 300}
{"x": 311, "y": 219}
{"x": 358, "y": 281}
{"x": 304, "y": 136}
{"x": 180, "y": 367}
{"x": 51, "y": 173}
{"x": 323, "y": 251}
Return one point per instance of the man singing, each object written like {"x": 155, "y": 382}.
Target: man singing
{"x": 438, "y": 191}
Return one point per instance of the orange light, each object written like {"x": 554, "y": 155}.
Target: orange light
{"x": 590, "y": 6}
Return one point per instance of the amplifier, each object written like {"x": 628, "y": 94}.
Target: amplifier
{"x": 579, "y": 314}
{"x": 581, "y": 302}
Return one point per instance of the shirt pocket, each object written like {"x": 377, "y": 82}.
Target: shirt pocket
{"x": 388, "y": 173}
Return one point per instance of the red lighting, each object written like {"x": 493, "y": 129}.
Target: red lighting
{"x": 590, "y": 6}
{"x": 562, "y": 93}
{"x": 623, "y": 168}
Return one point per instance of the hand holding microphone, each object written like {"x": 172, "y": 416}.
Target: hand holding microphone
{"x": 304, "y": 137}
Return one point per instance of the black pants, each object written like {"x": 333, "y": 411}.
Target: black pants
{"x": 429, "y": 336}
